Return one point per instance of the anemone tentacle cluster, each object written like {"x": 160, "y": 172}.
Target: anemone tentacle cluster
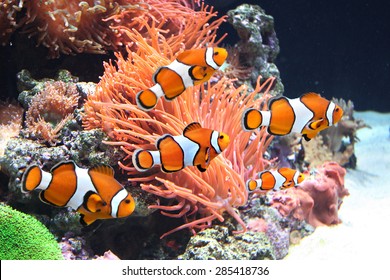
{"x": 200, "y": 197}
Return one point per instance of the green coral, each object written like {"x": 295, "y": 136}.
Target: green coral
{"x": 22, "y": 237}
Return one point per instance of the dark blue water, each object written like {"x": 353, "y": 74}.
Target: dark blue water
{"x": 337, "y": 48}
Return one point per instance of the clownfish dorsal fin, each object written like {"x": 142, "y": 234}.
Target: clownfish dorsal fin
{"x": 63, "y": 166}
{"x": 191, "y": 127}
{"x": 283, "y": 169}
{"x": 310, "y": 95}
{"x": 93, "y": 202}
{"x": 156, "y": 73}
{"x": 277, "y": 101}
{"x": 315, "y": 124}
{"x": 103, "y": 169}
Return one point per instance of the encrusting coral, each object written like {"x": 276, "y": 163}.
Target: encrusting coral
{"x": 22, "y": 237}
{"x": 200, "y": 197}
{"x": 316, "y": 200}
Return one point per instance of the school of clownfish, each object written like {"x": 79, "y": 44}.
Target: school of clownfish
{"x": 96, "y": 194}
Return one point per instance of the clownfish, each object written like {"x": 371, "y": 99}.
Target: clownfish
{"x": 279, "y": 179}
{"x": 308, "y": 115}
{"x": 190, "y": 68}
{"x": 197, "y": 146}
{"x": 93, "y": 192}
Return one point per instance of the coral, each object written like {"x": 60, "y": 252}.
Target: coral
{"x": 258, "y": 46}
{"x": 75, "y": 26}
{"x": 216, "y": 244}
{"x": 259, "y": 217}
{"x": 200, "y": 197}
{"x": 286, "y": 150}
{"x": 74, "y": 248}
{"x": 8, "y": 11}
{"x": 22, "y": 237}
{"x": 107, "y": 256}
{"x": 50, "y": 110}
{"x": 317, "y": 200}
{"x": 316, "y": 152}
{"x": 341, "y": 139}
{"x": 10, "y": 123}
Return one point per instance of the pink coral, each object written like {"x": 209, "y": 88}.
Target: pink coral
{"x": 317, "y": 200}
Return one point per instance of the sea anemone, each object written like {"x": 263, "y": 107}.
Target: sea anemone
{"x": 199, "y": 197}
{"x": 50, "y": 109}
{"x": 75, "y": 26}
{"x": 8, "y": 11}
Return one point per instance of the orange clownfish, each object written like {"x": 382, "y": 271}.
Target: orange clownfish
{"x": 308, "y": 115}
{"x": 279, "y": 179}
{"x": 190, "y": 68}
{"x": 197, "y": 146}
{"x": 93, "y": 192}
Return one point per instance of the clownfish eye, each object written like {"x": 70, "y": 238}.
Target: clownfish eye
{"x": 127, "y": 201}
{"x": 216, "y": 53}
{"x": 221, "y": 137}
{"x": 337, "y": 109}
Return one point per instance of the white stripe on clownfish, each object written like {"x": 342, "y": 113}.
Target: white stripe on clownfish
{"x": 210, "y": 60}
{"x": 329, "y": 113}
{"x": 116, "y": 200}
{"x": 183, "y": 71}
{"x": 302, "y": 114}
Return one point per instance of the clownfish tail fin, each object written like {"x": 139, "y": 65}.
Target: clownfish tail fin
{"x": 32, "y": 178}
{"x": 146, "y": 99}
{"x": 251, "y": 185}
{"x": 251, "y": 119}
{"x": 143, "y": 160}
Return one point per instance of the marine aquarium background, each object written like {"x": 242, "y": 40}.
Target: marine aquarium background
{"x": 73, "y": 98}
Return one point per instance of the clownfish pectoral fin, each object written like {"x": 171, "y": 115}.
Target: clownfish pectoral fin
{"x": 146, "y": 99}
{"x": 191, "y": 127}
{"x": 86, "y": 219}
{"x": 32, "y": 178}
{"x": 93, "y": 202}
{"x": 314, "y": 125}
{"x": 142, "y": 160}
{"x": 251, "y": 119}
{"x": 287, "y": 184}
{"x": 197, "y": 73}
{"x": 156, "y": 74}
{"x": 207, "y": 158}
